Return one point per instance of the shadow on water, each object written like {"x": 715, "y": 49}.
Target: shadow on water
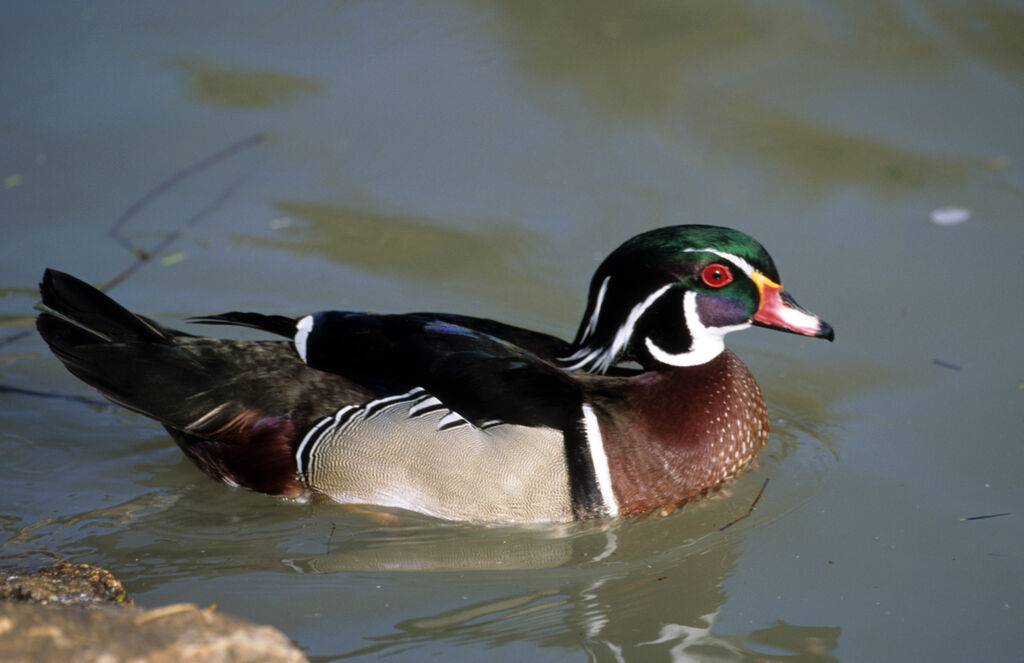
{"x": 215, "y": 85}
{"x": 396, "y": 245}
{"x": 510, "y": 264}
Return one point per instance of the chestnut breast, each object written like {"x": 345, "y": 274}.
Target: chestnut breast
{"x": 678, "y": 433}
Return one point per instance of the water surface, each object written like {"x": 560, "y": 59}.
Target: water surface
{"x": 482, "y": 157}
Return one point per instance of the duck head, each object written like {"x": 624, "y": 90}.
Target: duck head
{"x": 667, "y": 298}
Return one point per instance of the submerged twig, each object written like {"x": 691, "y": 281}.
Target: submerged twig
{"x": 331, "y": 536}
{"x": 144, "y": 255}
{"x": 15, "y": 337}
{"x": 750, "y": 511}
{"x": 173, "y": 180}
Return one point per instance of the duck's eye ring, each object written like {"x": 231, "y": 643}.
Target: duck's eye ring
{"x": 716, "y": 275}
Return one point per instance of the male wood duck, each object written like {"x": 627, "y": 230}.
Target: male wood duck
{"x": 459, "y": 417}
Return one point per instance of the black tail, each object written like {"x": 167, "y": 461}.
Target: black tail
{"x": 91, "y": 333}
{"x": 74, "y": 312}
{"x": 236, "y": 408}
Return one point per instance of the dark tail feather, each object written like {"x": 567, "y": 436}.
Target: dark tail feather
{"x": 124, "y": 356}
{"x": 227, "y": 403}
{"x": 76, "y": 304}
{"x": 275, "y": 324}
{"x": 88, "y": 331}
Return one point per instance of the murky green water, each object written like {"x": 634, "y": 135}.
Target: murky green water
{"x": 481, "y": 157}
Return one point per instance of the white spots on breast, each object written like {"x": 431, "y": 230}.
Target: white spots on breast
{"x": 737, "y": 418}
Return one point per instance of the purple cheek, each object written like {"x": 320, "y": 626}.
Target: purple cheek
{"x": 720, "y": 311}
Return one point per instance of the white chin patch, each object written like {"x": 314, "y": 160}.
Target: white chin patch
{"x": 305, "y": 328}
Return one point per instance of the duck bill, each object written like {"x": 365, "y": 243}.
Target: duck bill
{"x": 780, "y": 311}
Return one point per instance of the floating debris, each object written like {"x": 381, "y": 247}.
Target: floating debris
{"x": 282, "y": 222}
{"x": 950, "y": 216}
{"x": 987, "y": 516}
{"x": 173, "y": 259}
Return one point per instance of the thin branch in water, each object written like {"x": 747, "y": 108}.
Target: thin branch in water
{"x": 16, "y": 336}
{"x": 142, "y": 256}
{"x": 172, "y": 181}
{"x": 331, "y": 536}
{"x": 750, "y": 511}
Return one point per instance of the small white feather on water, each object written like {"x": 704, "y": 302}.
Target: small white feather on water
{"x": 950, "y": 216}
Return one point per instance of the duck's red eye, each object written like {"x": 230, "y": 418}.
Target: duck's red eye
{"x": 716, "y": 275}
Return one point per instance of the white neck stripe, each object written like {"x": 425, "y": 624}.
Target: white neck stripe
{"x": 602, "y": 471}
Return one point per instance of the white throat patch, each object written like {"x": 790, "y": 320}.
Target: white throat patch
{"x": 708, "y": 342}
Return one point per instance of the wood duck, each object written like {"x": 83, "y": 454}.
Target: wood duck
{"x": 459, "y": 417}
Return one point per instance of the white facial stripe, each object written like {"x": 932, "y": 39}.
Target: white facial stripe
{"x": 605, "y": 358}
{"x": 585, "y": 355}
{"x": 592, "y": 323}
{"x": 747, "y": 268}
{"x": 305, "y": 328}
{"x": 602, "y": 471}
{"x": 708, "y": 342}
